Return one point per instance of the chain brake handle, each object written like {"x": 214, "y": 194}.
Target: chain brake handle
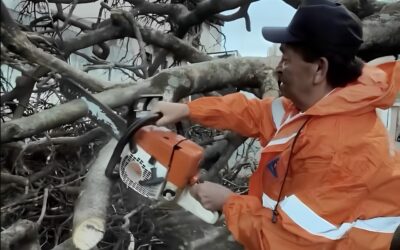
{"x": 126, "y": 138}
{"x": 133, "y": 109}
{"x": 134, "y": 125}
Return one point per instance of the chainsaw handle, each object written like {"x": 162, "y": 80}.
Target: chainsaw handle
{"x": 125, "y": 138}
{"x": 131, "y": 117}
{"x": 189, "y": 203}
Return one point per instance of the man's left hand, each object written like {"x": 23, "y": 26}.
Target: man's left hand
{"x": 211, "y": 195}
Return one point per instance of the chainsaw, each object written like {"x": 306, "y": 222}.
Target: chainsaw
{"x": 156, "y": 162}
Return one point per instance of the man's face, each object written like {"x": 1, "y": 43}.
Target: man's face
{"x": 295, "y": 76}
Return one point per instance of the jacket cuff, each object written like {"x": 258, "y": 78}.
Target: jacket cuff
{"x": 195, "y": 111}
{"x": 247, "y": 202}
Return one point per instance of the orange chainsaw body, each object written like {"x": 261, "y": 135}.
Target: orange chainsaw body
{"x": 179, "y": 155}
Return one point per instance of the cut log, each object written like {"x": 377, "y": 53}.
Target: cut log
{"x": 68, "y": 245}
{"x": 91, "y": 207}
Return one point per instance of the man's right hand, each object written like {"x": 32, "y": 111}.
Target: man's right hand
{"x": 172, "y": 112}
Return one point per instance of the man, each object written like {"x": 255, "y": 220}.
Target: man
{"x": 328, "y": 178}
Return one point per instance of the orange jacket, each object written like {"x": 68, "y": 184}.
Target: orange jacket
{"x": 342, "y": 190}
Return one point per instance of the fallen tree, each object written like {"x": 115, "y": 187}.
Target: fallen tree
{"x": 51, "y": 152}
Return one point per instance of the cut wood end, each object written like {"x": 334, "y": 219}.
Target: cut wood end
{"x": 87, "y": 234}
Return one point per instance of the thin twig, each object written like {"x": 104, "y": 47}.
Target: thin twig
{"x": 136, "y": 29}
{"x": 71, "y": 10}
{"x": 126, "y": 224}
{"x": 43, "y": 213}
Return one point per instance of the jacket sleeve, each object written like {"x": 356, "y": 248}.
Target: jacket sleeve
{"x": 251, "y": 225}
{"x": 247, "y": 117}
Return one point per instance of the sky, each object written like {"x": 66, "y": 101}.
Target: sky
{"x": 262, "y": 13}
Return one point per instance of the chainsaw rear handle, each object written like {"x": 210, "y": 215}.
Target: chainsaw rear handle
{"x": 132, "y": 129}
{"x": 189, "y": 203}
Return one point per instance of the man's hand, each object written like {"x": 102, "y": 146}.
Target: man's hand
{"x": 172, "y": 112}
{"x": 211, "y": 195}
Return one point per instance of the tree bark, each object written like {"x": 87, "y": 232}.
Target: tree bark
{"x": 89, "y": 223}
{"x": 381, "y": 35}
{"x": 17, "y": 42}
{"x": 22, "y": 234}
{"x": 68, "y": 245}
{"x": 176, "y": 83}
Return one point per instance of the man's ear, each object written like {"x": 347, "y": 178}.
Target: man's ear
{"x": 322, "y": 65}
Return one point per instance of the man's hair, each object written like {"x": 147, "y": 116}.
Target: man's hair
{"x": 342, "y": 69}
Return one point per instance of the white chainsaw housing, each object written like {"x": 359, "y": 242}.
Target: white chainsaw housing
{"x": 137, "y": 166}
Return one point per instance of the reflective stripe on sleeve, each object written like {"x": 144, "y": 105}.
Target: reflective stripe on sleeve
{"x": 311, "y": 222}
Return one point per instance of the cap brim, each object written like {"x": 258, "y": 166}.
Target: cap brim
{"x": 278, "y": 35}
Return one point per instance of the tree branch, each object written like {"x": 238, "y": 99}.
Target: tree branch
{"x": 64, "y": 1}
{"x": 381, "y": 35}
{"x": 226, "y": 151}
{"x": 44, "y": 206}
{"x": 22, "y": 232}
{"x": 136, "y": 30}
{"x": 362, "y": 8}
{"x": 90, "y": 212}
{"x": 23, "y": 83}
{"x": 175, "y": 83}
{"x": 17, "y": 42}
{"x": 241, "y": 13}
{"x": 10, "y": 178}
{"x": 185, "y": 19}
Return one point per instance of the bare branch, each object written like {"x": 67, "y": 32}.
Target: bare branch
{"x": 362, "y": 8}
{"x": 174, "y": 83}
{"x": 39, "y": 144}
{"x": 174, "y": 11}
{"x": 23, "y": 101}
{"x": 64, "y": 1}
{"x": 71, "y": 10}
{"x": 61, "y": 114}
{"x": 21, "y": 232}
{"x": 136, "y": 30}
{"x": 23, "y": 83}
{"x": 44, "y": 206}
{"x": 10, "y": 178}
{"x": 381, "y": 35}
{"x": 17, "y": 42}
{"x": 241, "y": 13}
{"x": 72, "y": 20}
{"x": 185, "y": 18}
{"x": 226, "y": 151}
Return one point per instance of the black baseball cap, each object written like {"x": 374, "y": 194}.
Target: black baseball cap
{"x": 324, "y": 24}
